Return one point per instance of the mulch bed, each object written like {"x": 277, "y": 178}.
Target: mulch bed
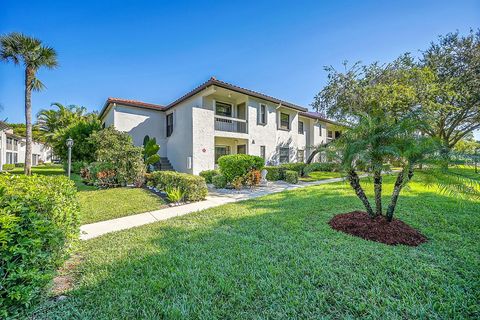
{"x": 359, "y": 224}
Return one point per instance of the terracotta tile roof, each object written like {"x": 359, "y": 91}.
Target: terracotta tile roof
{"x": 214, "y": 82}
{"x": 132, "y": 103}
{"x": 226, "y": 85}
{"x": 319, "y": 116}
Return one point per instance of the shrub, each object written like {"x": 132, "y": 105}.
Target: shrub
{"x": 8, "y": 167}
{"x": 291, "y": 176}
{"x": 237, "y": 183}
{"x": 77, "y": 166}
{"x": 219, "y": 181}
{"x": 116, "y": 149}
{"x": 298, "y": 167}
{"x": 209, "y": 174}
{"x": 275, "y": 173}
{"x": 237, "y": 165}
{"x": 38, "y": 223}
{"x": 19, "y": 165}
{"x": 320, "y": 166}
{"x": 174, "y": 194}
{"x": 100, "y": 174}
{"x": 194, "y": 187}
{"x": 253, "y": 178}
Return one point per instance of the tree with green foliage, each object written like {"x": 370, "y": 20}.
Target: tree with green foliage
{"x": 51, "y": 121}
{"x": 19, "y": 48}
{"x": 451, "y": 102}
{"x": 116, "y": 148}
{"x": 150, "y": 151}
{"x": 20, "y": 129}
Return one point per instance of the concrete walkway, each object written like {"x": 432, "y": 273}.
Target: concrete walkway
{"x": 214, "y": 199}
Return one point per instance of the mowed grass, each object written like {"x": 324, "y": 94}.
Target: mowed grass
{"x": 100, "y": 205}
{"x": 276, "y": 257}
{"x": 321, "y": 175}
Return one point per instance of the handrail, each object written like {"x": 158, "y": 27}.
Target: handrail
{"x": 230, "y": 118}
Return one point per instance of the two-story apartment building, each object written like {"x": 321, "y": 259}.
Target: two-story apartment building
{"x": 218, "y": 118}
{"x": 12, "y": 148}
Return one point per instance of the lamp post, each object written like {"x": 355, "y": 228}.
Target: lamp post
{"x": 69, "y": 145}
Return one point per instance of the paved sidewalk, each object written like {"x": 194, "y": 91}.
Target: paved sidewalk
{"x": 214, "y": 199}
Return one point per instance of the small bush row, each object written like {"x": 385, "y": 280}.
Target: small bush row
{"x": 38, "y": 223}
{"x": 209, "y": 174}
{"x": 321, "y": 166}
{"x": 193, "y": 187}
{"x": 8, "y": 167}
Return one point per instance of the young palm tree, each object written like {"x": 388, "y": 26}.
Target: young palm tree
{"x": 52, "y": 120}
{"x": 19, "y": 48}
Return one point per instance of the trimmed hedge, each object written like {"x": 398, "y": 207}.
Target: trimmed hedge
{"x": 274, "y": 173}
{"x": 320, "y": 166}
{"x": 19, "y": 165}
{"x": 298, "y": 167}
{"x": 194, "y": 187}
{"x": 209, "y": 174}
{"x": 8, "y": 167}
{"x": 291, "y": 176}
{"x": 219, "y": 181}
{"x": 38, "y": 224}
{"x": 238, "y": 165}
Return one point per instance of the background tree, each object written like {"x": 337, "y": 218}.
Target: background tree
{"x": 17, "y": 47}
{"x": 52, "y": 120}
{"x": 20, "y": 129}
{"x": 451, "y": 102}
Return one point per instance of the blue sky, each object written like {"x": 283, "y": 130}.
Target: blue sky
{"x": 155, "y": 51}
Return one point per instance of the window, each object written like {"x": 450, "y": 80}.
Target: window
{"x": 169, "y": 124}
{"x": 12, "y": 157}
{"x": 284, "y": 121}
{"x": 35, "y": 158}
{"x": 301, "y": 156}
{"x": 300, "y": 127}
{"x": 223, "y": 109}
{"x": 320, "y": 129}
{"x": 262, "y": 118}
{"x": 262, "y": 152}
{"x": 337, "y": 134}
{"x": 221, "y": 151}
{"x": 330, "y": 134}
{"x": 284, "y": 155}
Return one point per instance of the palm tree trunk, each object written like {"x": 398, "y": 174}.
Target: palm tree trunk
{"x": 29, "y": 75}
{"x": 396, "y": 191}
{"x": 355, "y": 184}
{"x": 377, "y": 182}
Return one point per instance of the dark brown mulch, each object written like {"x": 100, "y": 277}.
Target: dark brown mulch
{"x": 359, "y": 224}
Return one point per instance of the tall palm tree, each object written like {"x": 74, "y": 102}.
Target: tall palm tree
{"x": 19, "y": 48}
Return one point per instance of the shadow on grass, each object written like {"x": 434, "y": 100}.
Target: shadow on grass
{"x": 276, "y": 257}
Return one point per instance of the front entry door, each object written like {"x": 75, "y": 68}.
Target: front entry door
{"x": 242, "y": 149}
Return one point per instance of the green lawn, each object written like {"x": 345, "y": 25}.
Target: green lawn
{"x": 276, "y": 257}
{"x": 321, "y": 175}
{"x": 99, "y": 205}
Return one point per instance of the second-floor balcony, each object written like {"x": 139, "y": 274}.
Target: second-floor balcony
{"x": 230, "y": 124}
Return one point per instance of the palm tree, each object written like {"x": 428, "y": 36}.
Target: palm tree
{"x": 19, "y": 48}
{"x": 51, "y": 121}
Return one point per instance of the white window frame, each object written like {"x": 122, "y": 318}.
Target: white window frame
{"x": 303, "y": 127}
{"x": 288, "y": 127}
{"x": 232, "y": 114}
{"x": 260, "y": 114}
{"x": 280, "y": 154}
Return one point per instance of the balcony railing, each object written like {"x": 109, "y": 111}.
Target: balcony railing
{"x": 230, "y": 124}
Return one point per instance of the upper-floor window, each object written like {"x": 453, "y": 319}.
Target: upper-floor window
{"x": 284, "y": 121}
{"x": 330, "y": 134}
{"x": 169, "y": 124}
{"x": 300, "y": 127}
{"x": 284, "y": 155}
{"x": 262, "y": 117}
{"x": 262, "y": 152}
{"x": 12, "y": 144}
{"x": 223, "y": 109}
{"x": 337, "y": 134}
{"x": 320, "y": 129}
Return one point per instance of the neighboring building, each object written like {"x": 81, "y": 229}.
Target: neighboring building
{"x": 12, "y": 148}
{"x": 218, "y": 118}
